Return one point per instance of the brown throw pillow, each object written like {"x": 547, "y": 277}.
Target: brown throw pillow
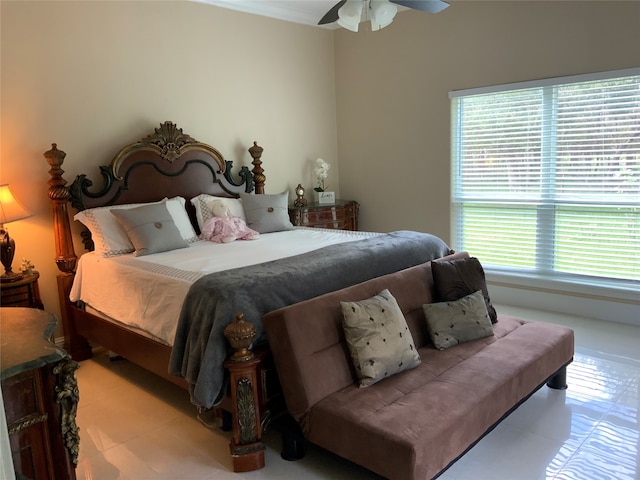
{"x": 455, "y": 279}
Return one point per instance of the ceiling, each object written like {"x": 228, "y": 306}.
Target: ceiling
{"x": 307, "y": 12}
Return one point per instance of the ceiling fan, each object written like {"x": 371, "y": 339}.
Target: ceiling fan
{"x": 349, "y": 13}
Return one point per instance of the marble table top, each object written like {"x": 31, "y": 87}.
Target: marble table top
{"x": 25, "y": 340}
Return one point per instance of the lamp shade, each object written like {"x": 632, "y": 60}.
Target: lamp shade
{"x": 10, "y": 209}
{"x": 350, "y": 14}
{"x": 382, "y": 13}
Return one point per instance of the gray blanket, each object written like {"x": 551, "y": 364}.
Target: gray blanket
{"x": 212, "y": 302}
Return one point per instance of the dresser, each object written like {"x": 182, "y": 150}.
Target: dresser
{"x": 40, "y": 396}
{"x": 343, "y": 214}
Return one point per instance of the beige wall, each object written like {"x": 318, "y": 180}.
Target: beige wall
{"x": 392, "y": 90}
{"x": 93, "y": 76}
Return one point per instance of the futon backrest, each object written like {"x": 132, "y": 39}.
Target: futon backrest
{"x": 307, "y": 339}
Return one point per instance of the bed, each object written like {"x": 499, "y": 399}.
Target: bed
{"x": 205, "y": 287}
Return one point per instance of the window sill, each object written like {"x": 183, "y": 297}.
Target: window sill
{"x": 623, "y": 292}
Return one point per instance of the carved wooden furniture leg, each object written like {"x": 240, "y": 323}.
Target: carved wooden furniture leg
{"x": 247, "y": 449}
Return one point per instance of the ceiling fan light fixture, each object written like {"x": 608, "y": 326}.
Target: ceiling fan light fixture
{"x": 350, "y": 14}
{"x": 382, "y": 13}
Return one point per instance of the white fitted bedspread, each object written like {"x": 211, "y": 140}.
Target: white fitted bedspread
{"x": 147, "y": 292}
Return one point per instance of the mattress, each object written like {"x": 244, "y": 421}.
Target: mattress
{"x": 146, "y": 293}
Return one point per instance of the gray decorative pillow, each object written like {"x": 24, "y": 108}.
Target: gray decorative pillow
{"x": 267, "y": 213}
{"x": 150, "y": 228}
{"x": 463, "y": 320}
{"x": 378, "y": 338}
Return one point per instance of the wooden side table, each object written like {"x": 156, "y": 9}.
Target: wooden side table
{"x": 40, "y": 396}
{"x": 22, "y": 293}
{"x": 343, "y": 215}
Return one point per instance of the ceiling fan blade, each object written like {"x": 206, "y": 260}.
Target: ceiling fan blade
{"x": 429, "y": 6}
{"x": 332, "y": 15}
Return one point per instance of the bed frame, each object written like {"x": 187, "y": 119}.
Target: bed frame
{"x": 166, "y": 163}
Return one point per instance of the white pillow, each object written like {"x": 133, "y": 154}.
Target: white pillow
{"x": 178, "y": 211}
{"x": 110, "y": 239}
{"x": 203, "y": 202}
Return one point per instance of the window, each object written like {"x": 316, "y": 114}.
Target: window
{"x": 546, "y": 177}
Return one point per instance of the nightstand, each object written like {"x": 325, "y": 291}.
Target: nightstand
{"x": 22, "y": 293}
{"x": 343, "y": 215}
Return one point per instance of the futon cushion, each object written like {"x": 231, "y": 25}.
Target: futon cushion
{"x": 378, "y": 338}
{"x": 414, "y": 424}
{"x": 459, "y": 321}
{"x": 455, "y": 279}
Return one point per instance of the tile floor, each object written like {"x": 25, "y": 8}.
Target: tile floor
{"x": 136, "y": 426}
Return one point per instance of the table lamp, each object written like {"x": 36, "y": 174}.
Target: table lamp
{"x": 10, "y": 211}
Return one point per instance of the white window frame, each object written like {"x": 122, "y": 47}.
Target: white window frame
{"x": 582, "y": 285}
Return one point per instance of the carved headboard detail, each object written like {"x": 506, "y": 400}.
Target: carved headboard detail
{"x": 166, "y": 163}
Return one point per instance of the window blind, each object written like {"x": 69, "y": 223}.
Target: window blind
{"x": 546, "y": 178}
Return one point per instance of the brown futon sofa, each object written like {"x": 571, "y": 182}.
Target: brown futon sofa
{"x": 415, "y": 423}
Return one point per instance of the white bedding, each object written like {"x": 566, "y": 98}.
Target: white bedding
{"x": 147, "y": 292}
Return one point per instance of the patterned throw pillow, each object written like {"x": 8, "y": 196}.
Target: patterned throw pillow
{"x": 463, "y": 320}
{"x": 378, "y": 338}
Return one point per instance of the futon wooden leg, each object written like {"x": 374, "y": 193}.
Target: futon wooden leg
{"x": 559, "y": 380}
{"x": 292, "y": 447}
{"x": 227, "y": 421}
{"x": 292, "y": 438}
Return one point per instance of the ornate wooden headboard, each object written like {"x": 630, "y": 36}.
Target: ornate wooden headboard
{"x": 167, "y": 163}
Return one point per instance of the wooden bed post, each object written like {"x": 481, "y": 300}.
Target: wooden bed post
{"x": 258, "y": 172}
{"x": 247, "y": 449}
{"x": 76, "y": 345}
